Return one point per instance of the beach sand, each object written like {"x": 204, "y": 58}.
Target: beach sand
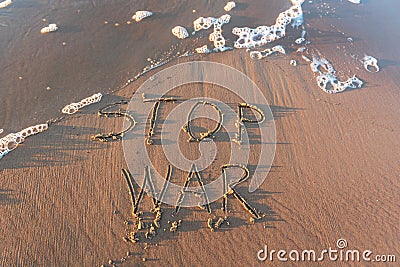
{"x": 63, "y": 198}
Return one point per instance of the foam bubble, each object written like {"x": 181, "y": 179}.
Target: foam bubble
{"x": 74, "y": 107}
{"x": 267, "y": 52}
{"x": 11, "y": 141}
{"x": 300, "y": 40}
{"x": 180, "y": 32}
{"x": 5, "y": 3}
{"x": 229, "y": 6}
{"x": 51, "y": 28}
{"x": 139, "y": 15}
{"x": 370, "y": 61}
{"x": 216, "y": 36}
{"x": 253, "y": 37}
{"x": 203, "y": 50}
{"x": 326, "y": 77}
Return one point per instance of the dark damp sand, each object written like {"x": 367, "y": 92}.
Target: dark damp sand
{"x": 95, "y": 56}
{"x": 335, "y": 173}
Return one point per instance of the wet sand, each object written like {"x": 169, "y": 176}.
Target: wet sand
{"x": 335, "y": 172}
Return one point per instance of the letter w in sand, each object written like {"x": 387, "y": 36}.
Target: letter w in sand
{"x": 147, "y": 182}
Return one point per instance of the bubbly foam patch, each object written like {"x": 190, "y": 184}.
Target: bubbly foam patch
{"x": 262, "y": 35}
{"x": 141, "y": 14}
{"x": 229, "y": 6}
{"x": 300, "y": 40}
{"x": 11, "y": 141}
{"x": 370, "y": 64}
{"x": 216, "y": 36}
{"x": 180, "y": 32}
{"x": 327, "y": 80}
{"x": 267, "y": 52}
{"x": 203, "y": 50}
{"x": 74, "y": 107}
{"x": 51, "y": 28}
{"x": 5, "y": 3}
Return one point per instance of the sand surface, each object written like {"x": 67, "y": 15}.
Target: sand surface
{"x": 64, "y": 201}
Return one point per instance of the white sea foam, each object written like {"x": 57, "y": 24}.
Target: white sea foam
{"x": 139, "y": 15}
{"x": 253, "y": 37}
{"x": 267, "y": 52}
{"x": 74, "y": 107}
{"x": 370, "y": 63}
{"x": 229, "y": 6}
{"x": 51, "y": 28}
{"x": 216, "y": 36}
{"x": 300, "y": 40}
{"x": 5, "y": 3}
{"x": 180, "y": 32}
{"x": 203, "y": 50}
{"x": 11, "y": 141}
{"x": 326, "y": 77}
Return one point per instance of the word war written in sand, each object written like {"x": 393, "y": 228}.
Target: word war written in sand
{"x": 147, "y": 227}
